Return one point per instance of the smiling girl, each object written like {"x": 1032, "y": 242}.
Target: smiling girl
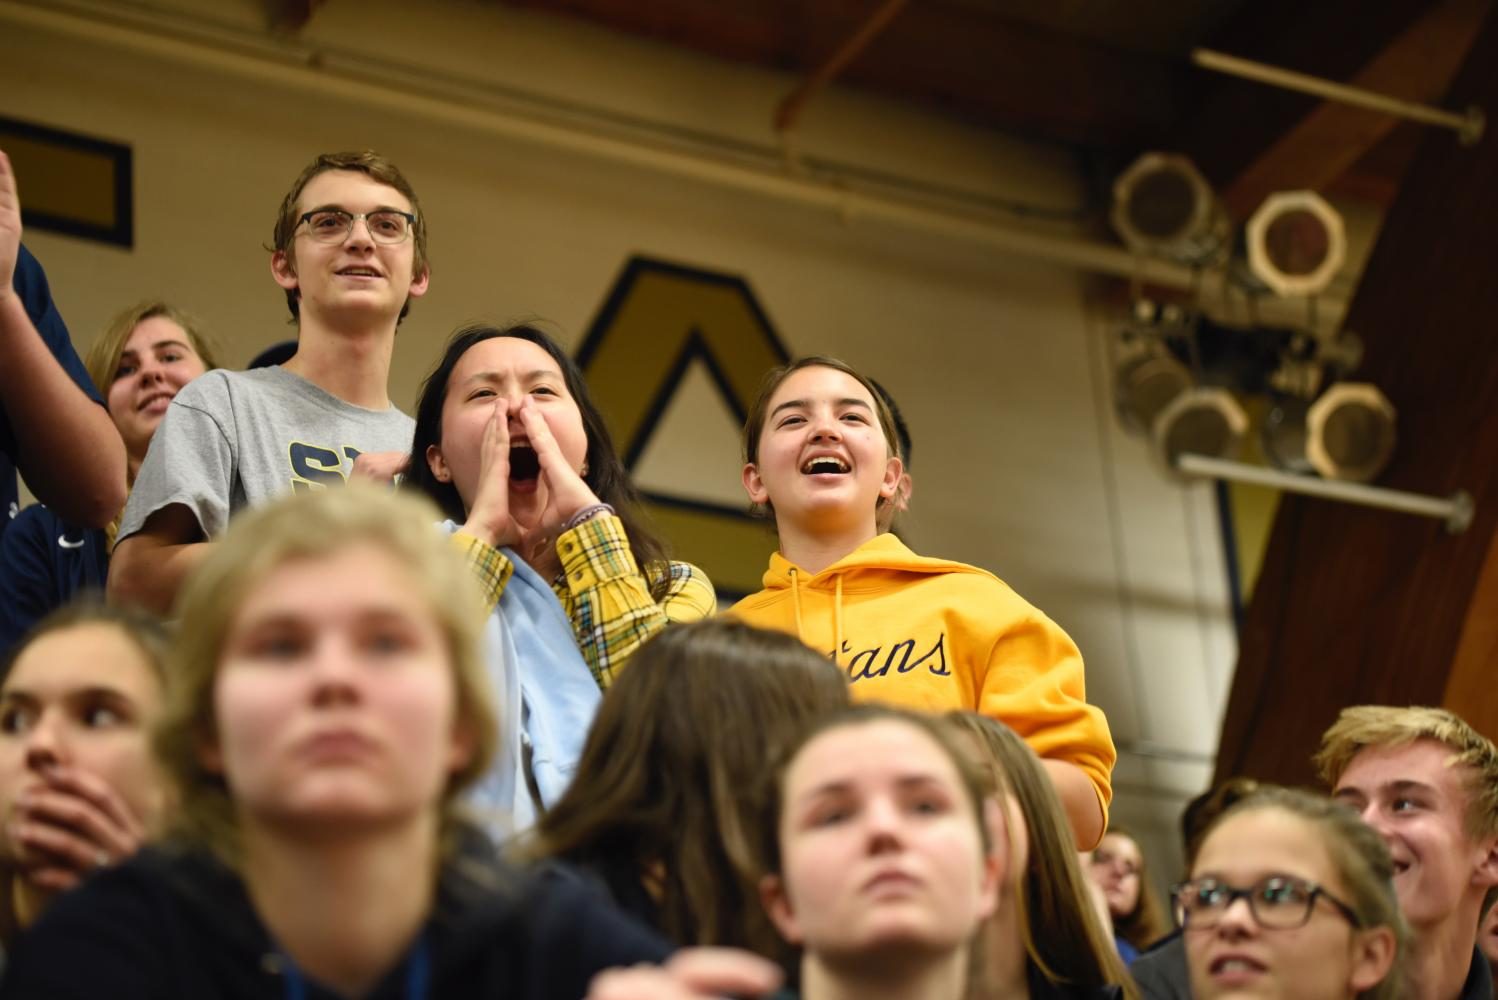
{"x": 147, "y": 353}
{"x": 921, "y": 632}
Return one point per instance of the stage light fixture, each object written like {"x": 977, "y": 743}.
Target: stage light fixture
{"x": 1200, "y": 421}
{"x": 1296, "y": 243}
{"x": 1282, "y": 436}
{"x": 1163, "y": 206}
{"x": 1146, "y": 385}
{"x": 1350, "y": 432}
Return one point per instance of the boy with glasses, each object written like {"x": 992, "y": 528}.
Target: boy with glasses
{"x": 350, "y": 253}
{"x": 1428, "y": 783}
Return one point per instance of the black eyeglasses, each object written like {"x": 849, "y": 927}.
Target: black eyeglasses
{"x": 1277, "y": 902}
{"x": 333, "y": 225}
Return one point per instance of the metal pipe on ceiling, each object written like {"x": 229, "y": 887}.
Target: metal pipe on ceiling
{"x": 1468, "y": 125}
{"x": 1456, "y": 510}
{"x": 326, "y": 73}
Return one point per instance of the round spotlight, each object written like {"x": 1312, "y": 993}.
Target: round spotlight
{"x": 1350, "y": 432}
{"x": 1199, "y": 422}
{"x": 1283, "y": 436}
{"x": 1162, "y": 205}
{"x": 1296, "y": 243}
{"x": 1145, "y": 386}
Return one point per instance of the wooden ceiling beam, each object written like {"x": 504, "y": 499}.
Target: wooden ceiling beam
{"x": 1375, "y": 178}
{"x": 1418, "y": 65}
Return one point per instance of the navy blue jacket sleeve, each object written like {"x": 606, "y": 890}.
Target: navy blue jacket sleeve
{"x": 44, "y": 563}
{"x": 30, "y": 283}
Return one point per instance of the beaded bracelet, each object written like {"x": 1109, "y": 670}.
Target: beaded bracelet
{"x": 587, "y": 514}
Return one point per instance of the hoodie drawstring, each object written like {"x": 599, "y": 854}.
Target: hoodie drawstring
{"x": 837, "y": 611}
{"x": 837, "y": 620}
{"x": 796, "y": 600}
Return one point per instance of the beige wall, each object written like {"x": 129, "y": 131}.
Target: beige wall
{"x": 996, "y": 359}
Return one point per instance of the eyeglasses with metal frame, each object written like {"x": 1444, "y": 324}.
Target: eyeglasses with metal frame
{"x": 1277, "y": 902}
{"x": 333, "y": 225}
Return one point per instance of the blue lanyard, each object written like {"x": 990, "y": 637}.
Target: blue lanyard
{"x": 418, "y": 972}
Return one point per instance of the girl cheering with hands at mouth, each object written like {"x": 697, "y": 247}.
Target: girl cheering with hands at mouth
{"x": 512, "y": 449}
{"x": 525, "y": 507}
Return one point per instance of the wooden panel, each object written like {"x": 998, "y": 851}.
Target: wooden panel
{"x": 1472, "y": 688}
{"x": 1355, "y": 605}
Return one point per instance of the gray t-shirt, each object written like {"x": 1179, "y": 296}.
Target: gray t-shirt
{"x": 232, "y": 440}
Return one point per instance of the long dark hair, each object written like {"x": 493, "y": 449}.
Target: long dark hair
{"x": 1064, "y": 940}
{"x": 605, "y": 475}
{"x": 674, "y": 772}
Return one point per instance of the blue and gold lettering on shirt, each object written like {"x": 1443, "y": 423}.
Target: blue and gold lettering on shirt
{"x": 313, "y": 465}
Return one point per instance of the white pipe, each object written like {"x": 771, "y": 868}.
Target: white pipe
{"x": 1456, "y": 510}
{"x": 1469, "y": 126}
{"x": 326, "y": 75}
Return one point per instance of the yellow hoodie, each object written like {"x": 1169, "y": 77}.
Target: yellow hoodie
{"x": 937, "y": 635}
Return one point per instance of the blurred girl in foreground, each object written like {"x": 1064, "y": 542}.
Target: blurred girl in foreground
{"x": 328, "y": 707}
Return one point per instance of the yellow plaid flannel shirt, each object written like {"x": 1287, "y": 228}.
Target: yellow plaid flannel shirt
{"x": 605, "y": 595}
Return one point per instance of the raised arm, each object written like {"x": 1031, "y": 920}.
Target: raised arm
{"x": 67, "y": 448}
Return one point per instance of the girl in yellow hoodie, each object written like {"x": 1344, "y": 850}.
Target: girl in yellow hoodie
{"x": 910, "y": 630}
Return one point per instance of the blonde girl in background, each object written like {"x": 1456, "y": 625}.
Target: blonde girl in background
{"x": 139, "y": 363}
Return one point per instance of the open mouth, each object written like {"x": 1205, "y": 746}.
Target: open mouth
{"x": 359, "y": 272}
{"x": 825, "y": 465}
{"x": 525, "y": 466}
{"x": 1233, "y": 965}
